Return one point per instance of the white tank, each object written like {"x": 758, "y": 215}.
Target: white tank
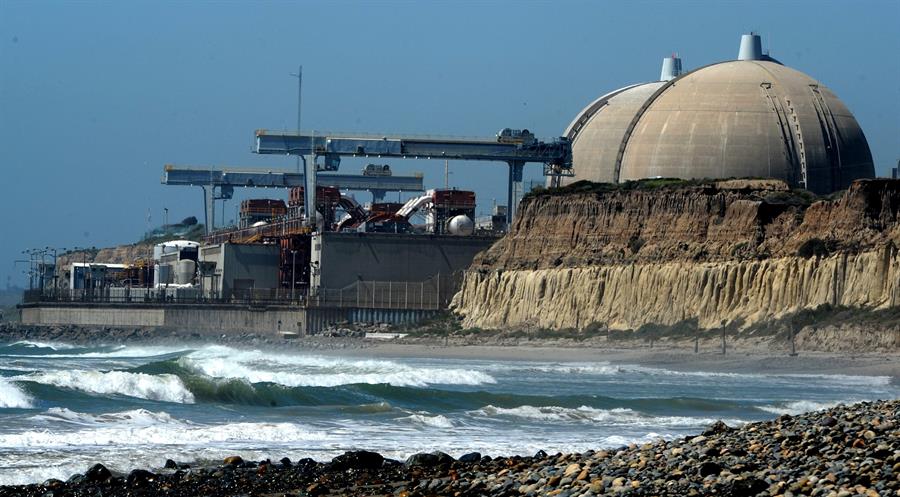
{"x": 184, "y": 272}
{"x": 171, "y": 246}
{"x": 460, "y": 225}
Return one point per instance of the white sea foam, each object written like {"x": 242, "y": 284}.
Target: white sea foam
{"x": 12, "y": 396}
{"x": 797, "y": 407}
{"x": 142, "y": 428}
{"x": 316, "y": 371}
{"x": 135, "y": 417}
{"x": 433, "y": 421}
{"x": 585, "y": 414}
{"x": 44, "y": 345}
{"x": 166, "y": 387}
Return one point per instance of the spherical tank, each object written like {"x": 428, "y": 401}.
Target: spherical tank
{"x": 743, "y": 118}
{"x": 461, "y": 225}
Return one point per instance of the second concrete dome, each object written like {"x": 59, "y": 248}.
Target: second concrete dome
{"x": 744, "y": 118}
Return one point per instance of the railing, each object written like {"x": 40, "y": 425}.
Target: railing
{"x": 433, "y": 293}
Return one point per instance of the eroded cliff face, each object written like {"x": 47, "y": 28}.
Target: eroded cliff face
{"x": 731, "y": 251}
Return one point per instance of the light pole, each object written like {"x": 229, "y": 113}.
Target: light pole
{"x": 293, "y": 273}
{"x": 299, "y": 76}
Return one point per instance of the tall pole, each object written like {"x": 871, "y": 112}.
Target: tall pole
{"x": 446, "y": 174}
{"x": 293, "y": 272}
{"x": 299, "y": 76}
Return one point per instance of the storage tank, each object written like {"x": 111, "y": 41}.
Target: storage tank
{"x": 184, "y": 272}
{"x": 461, "y": 226}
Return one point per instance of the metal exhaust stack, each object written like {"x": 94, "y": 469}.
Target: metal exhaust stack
{"x": 751, "y": 47}
{"x": 671, "y": 68}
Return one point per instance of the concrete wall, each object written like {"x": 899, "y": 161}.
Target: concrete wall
{"x": 345, "y": 258}
{"x": 255, "y": 264}
{"x": 215, "y": 318}
{"x": 132, "y": 316}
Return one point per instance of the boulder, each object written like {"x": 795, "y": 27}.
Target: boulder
{"x": 360, "y": 459}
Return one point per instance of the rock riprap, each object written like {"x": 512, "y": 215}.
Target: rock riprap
{"x": 840, "y": 452}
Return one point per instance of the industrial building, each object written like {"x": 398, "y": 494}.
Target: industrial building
{"x": 750, "y": 117}
{"x": 321, "y": 256}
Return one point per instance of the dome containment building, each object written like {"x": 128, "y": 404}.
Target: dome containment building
{"x": 751, "y": 117}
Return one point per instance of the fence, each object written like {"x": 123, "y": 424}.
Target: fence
{"x": 433, "y": 293}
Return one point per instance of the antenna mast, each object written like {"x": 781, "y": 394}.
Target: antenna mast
{"x": 299, "y": 76}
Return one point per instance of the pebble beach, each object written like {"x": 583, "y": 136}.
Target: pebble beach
{"x": 839, "y": 452}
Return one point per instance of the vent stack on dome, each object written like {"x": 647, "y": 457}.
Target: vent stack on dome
{"x": 671, "y": 68}
{"x": 751, "y": 47}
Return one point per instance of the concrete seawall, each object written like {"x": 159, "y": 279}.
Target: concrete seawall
{"x": 225, "y": 318}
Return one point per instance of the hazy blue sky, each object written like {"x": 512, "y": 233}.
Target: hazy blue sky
{"x": 96, "y": 96}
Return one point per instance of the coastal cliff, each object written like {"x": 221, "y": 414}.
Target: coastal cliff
{"x": 729, "y": 252}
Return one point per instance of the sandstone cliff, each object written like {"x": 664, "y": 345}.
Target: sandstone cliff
{"x": 734, "y": 251}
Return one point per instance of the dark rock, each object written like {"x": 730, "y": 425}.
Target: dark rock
{"x": 360, "y": 459}
{"x": 540, "y": 455}
{"x": 709, "y": 468}
{"x": 170, "y": 464}
{"x": 76, "y": 479}
{"x": 746, "y": 487}
{"x": 97, "y": 473}
{"x": 233, "y": 461}
{"x": 285, "y": 461}
{"x": 827, "y": 421}
{"x": 436, "y": 458}
{"x": 139, "y": 477}
{"x": 52, "y": 483}
{"x": 717, "y": 428}
{"x": 471, "y": 457}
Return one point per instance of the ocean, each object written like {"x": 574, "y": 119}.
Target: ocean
{"x": 64, "y": 408}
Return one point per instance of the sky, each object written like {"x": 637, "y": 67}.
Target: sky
{"x": 95, "y": 97}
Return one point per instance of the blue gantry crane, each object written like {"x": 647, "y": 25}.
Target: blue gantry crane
{"x": 218, "y": 183}
{"x": 514, "y": 147}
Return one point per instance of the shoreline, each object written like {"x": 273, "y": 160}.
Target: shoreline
{"x": 743, "y": 355}
{"x": 845, "y": 450}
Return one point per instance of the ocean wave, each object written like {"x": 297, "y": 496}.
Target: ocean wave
{"x": 433, "y": 421}
{"x": 134, "y": 417}
{"x": 797, "y": 407}
{"x": 142, "y": 428}
{"x": 585, "y": 414}
{"x": 43, "y": 345}
{"x": 831, "y": 379}
{"x": 315, "y": 371}
{"x": 13, "y": 397}
{"x": 166, "y": 387}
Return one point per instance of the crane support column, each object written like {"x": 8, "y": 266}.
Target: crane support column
{"x": 209, "y": 211}
{"x": 514, "y": 192}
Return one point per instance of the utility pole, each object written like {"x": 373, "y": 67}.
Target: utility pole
{"x": 446, "y": 174}
{"x": 299, "y": 76}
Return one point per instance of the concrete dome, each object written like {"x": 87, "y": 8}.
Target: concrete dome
{"x": 744, "y": 118}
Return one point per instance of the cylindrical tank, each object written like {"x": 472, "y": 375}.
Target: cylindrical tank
{"x": 162, "y": 275}
{"x": 184, "y": 272}
{"x": 460, "y": 226}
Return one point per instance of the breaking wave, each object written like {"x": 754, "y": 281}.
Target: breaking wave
{"x": 585, "y": 414}
{"x": 315, "y": 371}
{"x": 797, "y": 407}
{"x": 166, "y": 387}
{"x": 11, "y": 396}
{"x": 141, "y": 427}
